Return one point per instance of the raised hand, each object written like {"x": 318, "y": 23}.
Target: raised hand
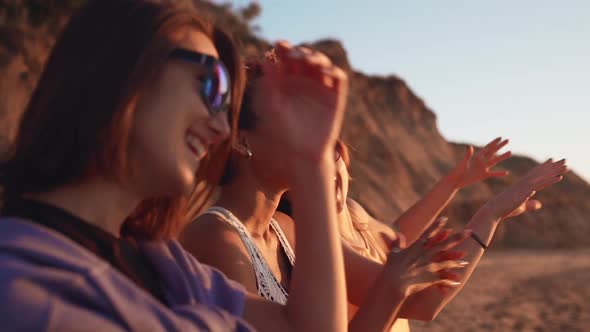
{"x": 478, "y": 167}
{"x": 427, "y": 261}
{"x": 517, "y": 198}
{"x": 303, "y": 97}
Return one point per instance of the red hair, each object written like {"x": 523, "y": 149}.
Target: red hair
{"x": 77, "y": 122}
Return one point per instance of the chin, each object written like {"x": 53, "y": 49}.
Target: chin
{"x": 178, "y": 185}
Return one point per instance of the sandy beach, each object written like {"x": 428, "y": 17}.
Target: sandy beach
{"x": 521, "y": 291}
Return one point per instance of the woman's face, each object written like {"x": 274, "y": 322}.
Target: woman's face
{"x": 173, "y": 128}
{"x": 269, "y": 155}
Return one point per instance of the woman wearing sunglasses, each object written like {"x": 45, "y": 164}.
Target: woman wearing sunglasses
{"x": 372, "y": 239}
{"x": 133, "y": 112}
{"x": 244, "y": 236}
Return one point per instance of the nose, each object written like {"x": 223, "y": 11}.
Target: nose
{"x": 219, "y": 126}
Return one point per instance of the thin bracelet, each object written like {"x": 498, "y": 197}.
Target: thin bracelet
{"x": 478, "y": 240}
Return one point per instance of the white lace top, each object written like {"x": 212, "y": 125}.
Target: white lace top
{"x": 266, "y": 282}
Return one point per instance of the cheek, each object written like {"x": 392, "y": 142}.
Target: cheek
{"x": 160, "y": 162}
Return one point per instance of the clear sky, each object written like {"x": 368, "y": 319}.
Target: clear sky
{"x": 513, "y": 68}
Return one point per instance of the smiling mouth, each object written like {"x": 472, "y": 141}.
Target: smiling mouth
{"x": 195, "y": 145}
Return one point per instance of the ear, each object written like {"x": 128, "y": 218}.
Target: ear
{"x": 241, "y": 146}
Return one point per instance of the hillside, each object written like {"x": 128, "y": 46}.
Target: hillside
{"x": 398, "y": 151}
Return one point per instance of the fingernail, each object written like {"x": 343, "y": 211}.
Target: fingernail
{"x": 454, "y": 283}
{"x": 463, "y": 263}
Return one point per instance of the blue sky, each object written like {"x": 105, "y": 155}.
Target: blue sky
{"x": 518, "y": 69}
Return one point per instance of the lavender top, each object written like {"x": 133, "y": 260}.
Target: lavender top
{"x": 49, "y": 282}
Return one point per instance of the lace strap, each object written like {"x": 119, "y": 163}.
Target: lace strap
{"x": 284, "y": 242}
{"x": 266, "y": 282}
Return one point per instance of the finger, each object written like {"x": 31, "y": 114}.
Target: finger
{"x": 337, "y": 76}
{"x": 438, "y": 238}
{"x": 317, "y": 58}
{"x": 448, "y": 255}
{"x": 468, "y": 153}
{"x": 493, "y": 143}
{"x": 533, "y": 205}
{"x": 416, "y": 250}
{"x": 560, "y": 162}
{"x": 446, "y": 274}
{"x": 559, "y": 169}
{"x": 401, "y": 238}
{"x": 550, "y": 174}
{"x": 498, "y": 174}
{"x": 433, "y": 267}
{"x": 447, "y": 283}
{"x": 283, "y": 45}
{"x": 496, "y": 160}
{"x": 547, "y": 182}
{"x": 436, "y": 227}
{"x": 502, "y": 144}
{"x": 283, "y": 50}
{"x": 434, "y": 281}
{"x": 451, "y": 242}
{"x": 494, "y": 147}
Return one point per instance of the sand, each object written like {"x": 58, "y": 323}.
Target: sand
{"x": 521, "y": 291}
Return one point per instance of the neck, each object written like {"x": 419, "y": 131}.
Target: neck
{"x": 99, "y": 202}
{"x": 251, "y": 202}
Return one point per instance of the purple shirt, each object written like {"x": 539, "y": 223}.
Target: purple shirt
{"x": 48, "y": 282}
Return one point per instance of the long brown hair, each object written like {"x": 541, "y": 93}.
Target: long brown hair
{"x": 77, "y": 122}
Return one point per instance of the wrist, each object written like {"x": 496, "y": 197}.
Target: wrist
{"x": 303, "y": 167}
{"x": 391, "y": 281}
{"x": 486, "y": 214}
{"x": 452, "y": 180}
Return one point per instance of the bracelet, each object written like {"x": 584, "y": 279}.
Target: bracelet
{"x": 478, "y": 240}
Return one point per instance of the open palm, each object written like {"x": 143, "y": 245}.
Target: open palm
{"x": 517, "y": 198}
{"x": 478, "y": 166}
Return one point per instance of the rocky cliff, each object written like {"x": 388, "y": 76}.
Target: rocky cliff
{"x": 398, "y": 152}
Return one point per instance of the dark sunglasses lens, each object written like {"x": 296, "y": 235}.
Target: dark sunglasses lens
{"x": 216, "y": 89}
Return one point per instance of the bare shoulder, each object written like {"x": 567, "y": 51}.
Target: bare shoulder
{"x": 215, "y": 242}
{"x": 209, "y": 233}
{"x": 287, "y": 226}
{"x": 382, "y": 232}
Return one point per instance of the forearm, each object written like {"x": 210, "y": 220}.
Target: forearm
{"x": 380, "y": 308}
{"x": 317, "y": 300}
{"x": 427, "y": 304}
{"x": 415, "y": 220}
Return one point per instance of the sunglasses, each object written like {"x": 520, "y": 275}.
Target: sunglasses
{"x": 216, "y": 85}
